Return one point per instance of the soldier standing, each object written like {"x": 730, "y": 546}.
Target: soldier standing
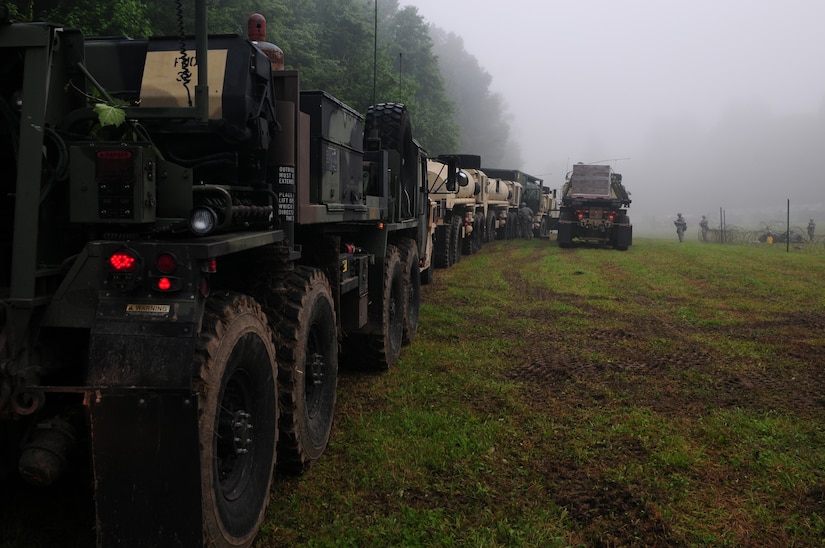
{"x": 681, "y": 226}
{"x": 525, "y": 215}
{"x": 811, "y": 229}
{"x": 703, "y": 224}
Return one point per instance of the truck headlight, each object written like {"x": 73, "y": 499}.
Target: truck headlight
{"x": 203, "y": 220}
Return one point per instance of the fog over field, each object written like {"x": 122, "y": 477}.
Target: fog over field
{"x": 700, "y": 105}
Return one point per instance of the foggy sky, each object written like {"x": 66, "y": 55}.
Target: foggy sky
{"x": 707, "y": 104}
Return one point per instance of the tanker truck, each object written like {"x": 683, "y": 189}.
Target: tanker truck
{"x": 187, "y": 242}
{"x": 593, "y": 208}
{"x": 454, "y": 194}
{"x": 471, "y": 207}
{"x": 539, "y": 198}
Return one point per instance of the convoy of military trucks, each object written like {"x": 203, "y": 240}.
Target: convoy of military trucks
{"x": 185, "y": 259}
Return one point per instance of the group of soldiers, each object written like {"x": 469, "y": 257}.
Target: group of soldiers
{"x": 681, "y": 226}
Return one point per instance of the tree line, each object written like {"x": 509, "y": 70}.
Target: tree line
{"x": 332, "y": 43}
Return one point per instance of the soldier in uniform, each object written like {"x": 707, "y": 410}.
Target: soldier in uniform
{"x": 703, "y": 224}
{"x": 811, "y": 229}
{"x": 681, "y": 226}
{"x": 525, "y": 217}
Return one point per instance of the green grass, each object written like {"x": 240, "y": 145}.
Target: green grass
{"x": 668, "y": 395}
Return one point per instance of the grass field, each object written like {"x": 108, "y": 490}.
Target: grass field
{"x": 670, "y": 395}
{"x": 673, "y": 394}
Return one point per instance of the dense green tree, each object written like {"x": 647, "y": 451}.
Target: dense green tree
{"x": 335, "y": 47}
{"x": 116, "y": 17}
{"x": 404, "y": 35}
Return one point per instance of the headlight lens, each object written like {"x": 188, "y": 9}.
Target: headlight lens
{"x": 203, "y": 220}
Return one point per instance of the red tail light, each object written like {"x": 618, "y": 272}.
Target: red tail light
{"x": 163, "y": 284}
{"x": 123, "y": 261}
{"x": 166, "y": 263}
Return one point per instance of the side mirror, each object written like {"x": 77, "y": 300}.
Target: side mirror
{"x": 450, "y": 183}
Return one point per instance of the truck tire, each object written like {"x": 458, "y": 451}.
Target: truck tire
{"x": 565, "y": 232}
{"x": 392, "y": 123}
{"x": 441, "y": 246}
{"x": 384, "y": 346}
{"x": 412, "y": 288}
{"x": 477, "y": 235}
{"x": 490, "y": 226}
{"x": 455, "y": 241}
{"x": 544, "y": 228}
{"x": 512, "y": 225}
{"x": 236, "y": 376}
{"x": 307, "y": 368}
{"x": 472, "y": 245}
{"x": 468, "y": 244}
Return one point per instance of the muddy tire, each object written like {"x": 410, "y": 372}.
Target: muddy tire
{"x": 544, "y": 228}
{"x": 512, "y": 226}
{"x": 307, "y": 368}
{"x": 468, "y": 244}
{"x": 236, "y": 376}
{"x": 455, "y": 241}
{"x": 412, "y": 288}
{"x": 490, "y": 226}
{"x": 478, "y": 234}
{"x": 384, "y": 345}
{"x": 472, "y": 245}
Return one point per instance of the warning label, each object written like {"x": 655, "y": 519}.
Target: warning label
{"x": 286, "y": 198}
{"x": 153, "y": 309}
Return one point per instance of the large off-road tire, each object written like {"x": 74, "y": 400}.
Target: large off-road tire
{"x": 455, "y": 242}
{"x": 544, "y": 228}
{"x": 441, "y": 245}
{"x": 236, "y": 378}
{"x": 513, "y": 225}
{"x": 384, "y": 345}
{"x": 307, "y": 368}
{"x": 490, "y": 226}
{"x": 412, "y": 288}
{"x": 468, "y": 244}
{"x": 392, "y": 124}
{"x": 472, "y": 245}
{"x": 503, "y": 231}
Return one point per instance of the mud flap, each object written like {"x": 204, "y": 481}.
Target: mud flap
{"x": 565, "y": 235}
{"x": 624, "y": 236}
{"x": 146, "y": 463}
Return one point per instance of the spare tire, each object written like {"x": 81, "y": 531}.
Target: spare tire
{"x": 390, "y": 124}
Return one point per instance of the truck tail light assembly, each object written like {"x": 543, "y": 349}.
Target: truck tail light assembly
{"x": 123, "y": 261}
{"x": 163, "y": 279}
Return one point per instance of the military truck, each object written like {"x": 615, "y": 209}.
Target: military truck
{"x": 455, "y": 195}
{"x": 502, "y": 201}
{"x": 471, "y": 207}
{"x": 593, "y": 208}
{"x": 538, "y": 197}
{"x": 187, "y": 239}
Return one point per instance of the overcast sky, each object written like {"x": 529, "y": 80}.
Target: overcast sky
{"x": 682, "y": 89}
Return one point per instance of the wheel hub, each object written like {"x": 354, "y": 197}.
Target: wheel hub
{"x": 241, "y": 432}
